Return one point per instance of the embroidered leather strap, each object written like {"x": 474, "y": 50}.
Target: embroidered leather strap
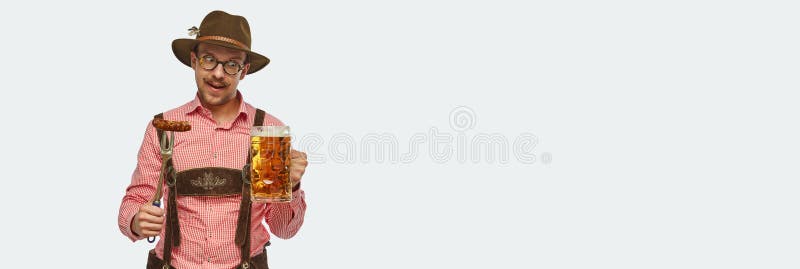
{"x": 209, "y": 181}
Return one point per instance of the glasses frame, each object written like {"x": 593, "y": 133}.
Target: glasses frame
{"x": 239, "y": 66}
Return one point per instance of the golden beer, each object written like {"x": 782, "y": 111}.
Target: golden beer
{"x": 269, "y": 164}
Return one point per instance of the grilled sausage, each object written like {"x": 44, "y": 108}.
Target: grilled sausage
{"x": 168, "y": 125}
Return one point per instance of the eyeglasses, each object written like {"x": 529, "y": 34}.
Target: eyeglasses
{"x": 231, "y": 67}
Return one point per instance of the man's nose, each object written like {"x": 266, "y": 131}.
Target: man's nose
{"x": 218, "y": 72}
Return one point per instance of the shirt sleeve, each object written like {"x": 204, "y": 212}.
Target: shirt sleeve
{"x": 143, "y": 182}
{"x": 285, "y": 219}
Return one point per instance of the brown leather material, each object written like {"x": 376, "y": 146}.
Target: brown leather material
{"x": 296, "y": 186}
{"x": 242, "y": 238}
{"x": 159, "y": 132}
{"x": 209, "y": 181}
{"x": 259, "y": 261}
{"x": 259, "y": 120}
{"x": 172, "y": 234}
{"x": 173, "y": 216}
{"x": 243, "y": 227}
{"x": 242, "y": 223}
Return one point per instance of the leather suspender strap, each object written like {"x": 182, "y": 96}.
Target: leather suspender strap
{"x": 172, "y": 235}
{"x": 243, "y": 224}
{"x": 159, "y": 132}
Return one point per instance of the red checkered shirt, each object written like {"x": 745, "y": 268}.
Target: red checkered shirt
{"x": 208, "y": 224}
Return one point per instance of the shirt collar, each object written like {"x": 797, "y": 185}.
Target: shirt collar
{"x": 196, "y": 106}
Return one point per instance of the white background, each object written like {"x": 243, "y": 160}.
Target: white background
{"x": 672, "y": 126}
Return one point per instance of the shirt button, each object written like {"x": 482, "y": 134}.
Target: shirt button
{"x": 215, "y": 155}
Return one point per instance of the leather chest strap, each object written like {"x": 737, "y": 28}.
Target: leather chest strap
{"x": 209, "y": 181}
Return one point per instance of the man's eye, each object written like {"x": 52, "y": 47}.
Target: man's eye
{"x": 209, "y": 59}
{"x": 232, "y": 64}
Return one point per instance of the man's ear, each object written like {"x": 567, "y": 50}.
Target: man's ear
{"x": 244, "y": 71}
{"x": 193, "y": 59}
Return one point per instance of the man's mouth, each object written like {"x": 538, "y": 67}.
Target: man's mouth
{"x": 216, "y": 86}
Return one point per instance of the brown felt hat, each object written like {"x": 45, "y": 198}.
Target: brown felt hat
{"x": 222, "y": 29}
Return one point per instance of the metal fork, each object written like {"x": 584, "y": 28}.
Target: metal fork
{"x": 166, "y": 145}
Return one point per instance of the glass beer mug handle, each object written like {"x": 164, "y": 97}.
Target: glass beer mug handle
{"x": 153, "y": 239}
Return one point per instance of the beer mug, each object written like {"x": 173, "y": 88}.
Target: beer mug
{"x": 269, "y": 164}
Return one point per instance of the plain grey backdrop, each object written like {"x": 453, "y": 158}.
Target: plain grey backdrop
{"x": 667, "y": 130}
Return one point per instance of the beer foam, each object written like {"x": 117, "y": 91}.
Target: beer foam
{"x": 270, "y": 131}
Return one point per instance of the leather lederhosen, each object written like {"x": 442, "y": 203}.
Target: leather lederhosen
{"x": 209, "y": 181}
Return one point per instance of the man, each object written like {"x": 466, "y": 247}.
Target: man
{"x": 207, "y": 227}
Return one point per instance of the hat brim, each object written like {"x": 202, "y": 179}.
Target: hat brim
{"x": 183, "y": 46}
